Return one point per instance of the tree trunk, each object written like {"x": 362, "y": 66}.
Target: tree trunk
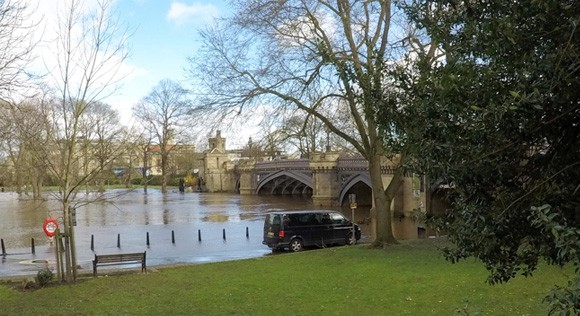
{"x": 164, "y": 172}
{"x": 129, "y": 174}
{"x": 19, "y": 183}
{"x": 67, "y": 244}
{"x": 37, "y": 181}
{"x": 382, "y": 199}
{"x": 145, "y": 157}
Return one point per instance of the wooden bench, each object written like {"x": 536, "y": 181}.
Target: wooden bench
{"x": 119, "y": 259}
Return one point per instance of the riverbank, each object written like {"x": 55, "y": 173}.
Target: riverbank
{"x": 411, "y": 278}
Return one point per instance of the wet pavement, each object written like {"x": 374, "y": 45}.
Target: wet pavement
{"x": 161, "y": 251}
{"x": 174, "y": 222}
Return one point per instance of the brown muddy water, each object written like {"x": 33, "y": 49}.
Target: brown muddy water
{"x": 174, "y": 222}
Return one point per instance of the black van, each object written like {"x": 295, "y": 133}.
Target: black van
{"x": 296, "y": 229}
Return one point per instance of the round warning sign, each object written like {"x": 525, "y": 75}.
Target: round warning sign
{"x": 50, "y": 225}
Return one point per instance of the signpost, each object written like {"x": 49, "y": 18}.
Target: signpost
{"x": 352, "y": 200}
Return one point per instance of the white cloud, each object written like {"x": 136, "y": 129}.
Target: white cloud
{"x": 118, "y": 72}
{"x": 181, "y": 13}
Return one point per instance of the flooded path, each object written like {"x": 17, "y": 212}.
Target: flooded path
{"x": 129, "y": 218}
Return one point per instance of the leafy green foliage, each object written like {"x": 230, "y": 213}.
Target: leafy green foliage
{"x": 500, "y": 119}
{"x": 564, "y": 300}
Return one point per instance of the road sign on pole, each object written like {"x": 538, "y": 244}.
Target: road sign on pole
{"x": 352, "y": 200}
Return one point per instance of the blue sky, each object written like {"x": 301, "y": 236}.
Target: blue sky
{"x": 165, "y": 34}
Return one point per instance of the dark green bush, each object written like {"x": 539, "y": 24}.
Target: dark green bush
{"x": 155, "y": 180}
{"x": 44, "y": 276}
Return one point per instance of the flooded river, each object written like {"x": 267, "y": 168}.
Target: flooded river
{"x": 174, "y": 222}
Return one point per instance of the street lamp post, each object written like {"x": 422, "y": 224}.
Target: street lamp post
{"x": 328, "y": 140}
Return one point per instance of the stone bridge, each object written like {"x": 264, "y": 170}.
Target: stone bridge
{"x": 328, "y": 178}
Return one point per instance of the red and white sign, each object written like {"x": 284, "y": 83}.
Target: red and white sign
{"x": 50, "y": 226}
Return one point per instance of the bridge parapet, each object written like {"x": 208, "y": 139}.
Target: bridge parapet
{"x": 360, "y": 164}
{"x": 352, "y": 163}
{"x": 284, "y": 164}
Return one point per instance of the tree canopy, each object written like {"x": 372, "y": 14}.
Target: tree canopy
{"x": 499, "y": 117}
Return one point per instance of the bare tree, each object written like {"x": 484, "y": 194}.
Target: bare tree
{"x": 144, "y": 144}
{"x": 304, "y": 134}
{"x": 162, "y": 114}
{"x": 314, "y": 55}
{"x": 16, "y": 45}
{"x": 26, "y": 142}
{"x": 101, "y": 138}
{"x": 91, "y": 48}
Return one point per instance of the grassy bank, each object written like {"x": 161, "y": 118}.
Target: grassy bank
{"x": 408, "y": 279}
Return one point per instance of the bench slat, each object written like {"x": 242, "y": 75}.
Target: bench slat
{"x": 119, "y": 259}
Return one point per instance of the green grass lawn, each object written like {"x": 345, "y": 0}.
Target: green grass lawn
{"x": 407, "y": 279}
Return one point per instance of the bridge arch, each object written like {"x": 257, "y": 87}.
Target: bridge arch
{"x": 285, "y": 182}
{"x": 351, "y": 182}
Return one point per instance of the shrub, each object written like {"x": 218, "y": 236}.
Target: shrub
{"x": 44, "y": 276}
{"x": 155, "y": 180}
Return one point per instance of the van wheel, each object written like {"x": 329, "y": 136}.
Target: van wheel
{"x": 296, "y": 245}
{"x": 350, "y": 240}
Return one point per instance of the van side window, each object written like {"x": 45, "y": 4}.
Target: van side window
{"x": 294, "y": 220}
{"x": 314, "y": 219}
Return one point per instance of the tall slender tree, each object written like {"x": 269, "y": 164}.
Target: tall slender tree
{"x": 317, "y": 56}
{"x": 162, "y": 114}
{"x": 91, "y": 46}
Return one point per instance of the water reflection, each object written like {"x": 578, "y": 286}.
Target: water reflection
{"x": 22, "y": 219}
{"x": 215, "y": 217}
